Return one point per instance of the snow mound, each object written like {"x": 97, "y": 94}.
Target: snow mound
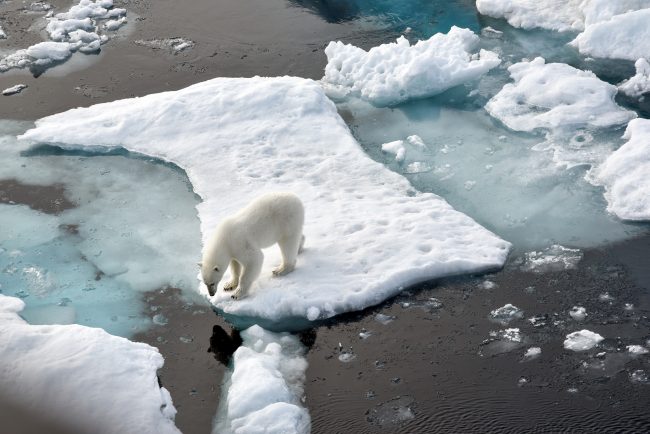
{"x": 266, "y": 386}
{"x": 82, "y": 375}
{"x": 555, "y": 95}
{"x": 582, "y": 340}
{"x": 640, "y": 83}
{"x": 368, "y": 233}
{"x": 395, "y": 72}
{"x": 625, "y": 174}
{"x": 624, "y": 36}
{"x": 559, "y": 15}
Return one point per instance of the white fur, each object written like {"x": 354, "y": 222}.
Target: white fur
{"x": 239, "y": 239}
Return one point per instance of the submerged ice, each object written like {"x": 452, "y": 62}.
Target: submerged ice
{"x": 91, "y": 263}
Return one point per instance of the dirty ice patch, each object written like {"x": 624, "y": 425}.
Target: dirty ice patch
{"x": 624, "y": 36}
{"x": 82, "y": 376}
{"x": 266, "y": 387}
{"x": 368, "y": 233}
{"x": 639, "y": 84}
{"x": 582, "y": 340}
{"x": 555, "y": 95}
{"x": 395, "y": 72}
{"x": 625, "y": 174}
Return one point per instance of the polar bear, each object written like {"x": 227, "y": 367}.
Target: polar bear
{"x": 239, "y": 239}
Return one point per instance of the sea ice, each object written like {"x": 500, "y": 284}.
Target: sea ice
{"x": 396, "y": 148}
{"x": 3, "y": 35}
{"x": 553, "y": 258}
{"x": 582, "y": 340}
{"x": 554, "y": 96}
{"x": 624, "y": 36}
{"x": 238, "y": 138}
{"x": 82, "y": 376}
{"x": 637, "y": 349}
{"x": 624, "y": 174}
{"x": 392, "y": 73}
{"x": 532, "y": 353}
{"x": 266, "y": 386}
{"x": 639, "y": 84}
{"x": 14, "y": 89}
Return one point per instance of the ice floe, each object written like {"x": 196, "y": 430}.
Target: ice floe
{"x": 392, "y": 73}
{"x": 582, "y": 340}
{"x": 555, "y": 95}
{"x": 624, "y": 36}
{"x": 639, "y": 84}
{"x": 237, "y": 138}
{"x": 266, "y": 387}
{"x": 624, "y": 174}
{"x": 82, "y": 376}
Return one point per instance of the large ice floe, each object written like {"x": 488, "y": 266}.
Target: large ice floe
{"x": 83, "y": 378}
{"x": 78, "y": 29}
{"x": 625, "y": 174}
{"x": 266, "y": 386}
{"x": 368, "y": 232}
{"x": 392, "y": 73}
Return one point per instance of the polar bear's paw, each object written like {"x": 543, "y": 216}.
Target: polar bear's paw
{"x": 230, "y": 286}
{"x": 283, "y": 269}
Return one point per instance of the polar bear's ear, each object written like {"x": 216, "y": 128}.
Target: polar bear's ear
{"x": 216, "y": 268}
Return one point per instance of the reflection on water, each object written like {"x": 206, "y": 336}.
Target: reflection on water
{"x": 424, "y": 17}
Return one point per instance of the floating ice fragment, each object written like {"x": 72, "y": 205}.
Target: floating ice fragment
{"x": 532, "y": 353}
{"x": 582, "y": 340}
{"x": 393, "y": 412}
{"x": 417, "y": 167}
{"x": 510, "y": 335}
{"x": 487, "y": 284}
{"x": 578, "y": 313}
{"x": 186, "y": 339}
{"x": 639, "y": 376}
{"x": 365, "y": 334}
{"x": 554, "y": 258}
{"x": 395, "y": 72}
{"x": 605, "y": 297}
{"x": 415, "y": 140}
{"x": 628, "y": 306}
{"x": 174, "y": 45}
{"x": 160, "y": 319}
{"x": 506, "y": 314}
{"x": 3, "y": 35}
{"x": 384, "y": 319}
{"x": 469, "y": 185}
{"x": 637, "y": 349}
{"x": 396, "y": 148}
{"x": 39, "y": 6}
{"x": 113, "y": 25}
{"x": 347, "y": 356}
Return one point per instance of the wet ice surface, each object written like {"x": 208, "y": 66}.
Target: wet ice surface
{"x": 91, "y": 263}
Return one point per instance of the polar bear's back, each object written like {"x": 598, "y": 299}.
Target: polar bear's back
{"x": 271, "y": 217}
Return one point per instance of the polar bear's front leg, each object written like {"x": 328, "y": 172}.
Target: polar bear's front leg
{"x": 252, "y": 266}
{"x": 235, "y": 270}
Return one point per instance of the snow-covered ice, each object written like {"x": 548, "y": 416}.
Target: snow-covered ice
{"x": 14, "y": 89}
{"x": 556, "y": 95}
{"x": 392, "y": 73}
{"x": 82, "y": 376}
{"x": 368, "y": 232}
{"x": 578, "y": 313}
{"x": 624, "y": 36}
{"x": 265, "y": 390}
{"x": 624, "y": 174}
{"x": 582, "y": 340}
{"x": 639, "y": 84}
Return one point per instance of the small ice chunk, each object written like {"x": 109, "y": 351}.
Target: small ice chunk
{"x": 160, "y": 319}
{"x": 509, "y": 335}
{"x": 532, "y": 353}
{"x": 639, "y": 376}
{"x": 347, "y": 356}
{"x": 637, "y": 349}
{"x": 506, "y": 313}
{"x": 487, "y": 284}
{"x": 174, "y": 45}
{"x": 639, "y": 83}
{"x": 554, "y": 258}
{"x": 417, "y": 167}
{"x": 313, "y": 313}
{"x": 113, "y": 25}
{"x": 628, "y": 306}
{"x": 384, "y": 319}
{"x": 365, "y": 334}
{"x": 605, "y": 297}
{"x": 582, "y": 340}
{"x": 3, "y": 35}
{"x": 469, "y": 185}
{"x": 396, "y": 148}
{"x": 578, "y": 313}
{"x": 415, "y": 140}
{"x": 14, "y": 89}
{"x": 39, "y": 6}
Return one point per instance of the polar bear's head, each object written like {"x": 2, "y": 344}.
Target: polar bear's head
{"x": 212, "y": 274}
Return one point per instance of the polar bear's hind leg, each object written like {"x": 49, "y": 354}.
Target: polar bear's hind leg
{"x": 289, "y": 247}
